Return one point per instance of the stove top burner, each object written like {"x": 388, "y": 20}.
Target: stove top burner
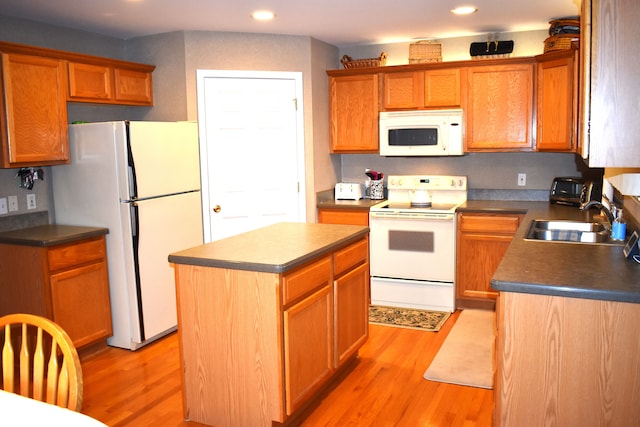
{"x": 431, "y": 207}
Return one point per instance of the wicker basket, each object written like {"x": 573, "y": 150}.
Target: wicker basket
{"x": 348, "y": 62}
{"x": 559, "y": 42}
{"x": 425, "y": 51}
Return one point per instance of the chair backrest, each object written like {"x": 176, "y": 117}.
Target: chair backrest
{"x": 45, "y": 356}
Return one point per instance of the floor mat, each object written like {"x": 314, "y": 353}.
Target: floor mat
{"x": 408, "y": 317}
{"x": 465, "y": 357}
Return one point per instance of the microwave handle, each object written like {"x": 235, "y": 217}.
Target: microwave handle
{"x": 455, "y": 134}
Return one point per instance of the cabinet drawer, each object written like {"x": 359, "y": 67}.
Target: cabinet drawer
{"x": 489, "y": 223}
{"x": 306, "y": 279}
{"x": 351, "y": 256}
{"x": 64, "y": 256}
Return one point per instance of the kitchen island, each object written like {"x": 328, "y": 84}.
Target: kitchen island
{"x": 567, "y": 318}
{"x": 267, "y": 319}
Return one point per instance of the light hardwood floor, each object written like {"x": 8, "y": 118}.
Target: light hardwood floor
{"x": 385, "y": 387}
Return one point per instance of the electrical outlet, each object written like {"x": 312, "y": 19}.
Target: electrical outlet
{"x": 522, "y": 179}
{"x": 13, "y": 203}
{"x": 31, "y": 201}
{"x": 3, "y": 205}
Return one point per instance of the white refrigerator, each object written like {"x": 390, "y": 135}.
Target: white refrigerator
{"x": 141, "y": 180}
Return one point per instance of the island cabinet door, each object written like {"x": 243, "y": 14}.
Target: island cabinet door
{"x": 352, "y": 312}
{"x": 308, "y": 346}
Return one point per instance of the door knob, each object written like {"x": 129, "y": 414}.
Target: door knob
{"x": 217, "y": 208}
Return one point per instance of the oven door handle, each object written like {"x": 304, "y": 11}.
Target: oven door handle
{"x": 429, "y": 217}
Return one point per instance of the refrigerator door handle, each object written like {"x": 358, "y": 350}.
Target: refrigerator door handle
{"x": 131, "y": 167}
{"x": 135, "y": 234}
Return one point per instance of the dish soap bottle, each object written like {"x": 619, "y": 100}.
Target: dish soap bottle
{"x": 619, "y": 226}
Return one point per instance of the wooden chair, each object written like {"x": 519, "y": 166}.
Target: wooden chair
{"x": 40, "y": 346}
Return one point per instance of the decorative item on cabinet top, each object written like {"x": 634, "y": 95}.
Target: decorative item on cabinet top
{"x": 425, "y": 51}
{"x": 349, "y": 63}
{"x": 562, "y": 33}
{"x": 492, "y": 48}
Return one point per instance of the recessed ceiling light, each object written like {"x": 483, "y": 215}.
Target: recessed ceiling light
{"x": 464, "y": 10}
{"x": 263, "y": 15}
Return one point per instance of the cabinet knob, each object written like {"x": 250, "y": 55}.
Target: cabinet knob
{"x": 217, "y": 208}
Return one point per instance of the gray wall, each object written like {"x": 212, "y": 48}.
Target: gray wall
{"x": 485, "y": 171}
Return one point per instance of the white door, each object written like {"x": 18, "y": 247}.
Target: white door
{"x": 251, "y": 150}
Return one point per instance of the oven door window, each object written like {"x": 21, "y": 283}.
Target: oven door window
{"x": 415, "y": 137}
{"x": 414, "y": 241}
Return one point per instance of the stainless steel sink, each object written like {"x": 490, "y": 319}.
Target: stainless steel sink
{"x": 568, "y": 231}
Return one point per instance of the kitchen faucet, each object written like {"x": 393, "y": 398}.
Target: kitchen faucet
{"x": 601, "y": 206}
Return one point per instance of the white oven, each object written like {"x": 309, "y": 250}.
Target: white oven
{"x": 412, "y": 245}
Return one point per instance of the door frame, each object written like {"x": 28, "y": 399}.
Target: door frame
{"x": 296, "y": 76}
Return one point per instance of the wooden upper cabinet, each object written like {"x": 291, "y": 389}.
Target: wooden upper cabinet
{"x": 35, "y": 85}
{"x": 133, "y": 86}
{"x": 33, "y": 111}
{"x": 438, "y": 88}
{"x": 403, "y": 90}
{"x": 354, "y": 113}
{"x": 110, "y": 84}
{"x": 499, "y": 113}
{"x": 93, "y": 82}
{"x": 556, "y": 106}
{"x": 442, "y": 87}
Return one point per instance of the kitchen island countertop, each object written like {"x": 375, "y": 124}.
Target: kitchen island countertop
{"x": 592, "y": 271}
{"x": 273, "y": 249}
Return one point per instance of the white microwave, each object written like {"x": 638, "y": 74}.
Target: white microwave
{"x": 421, "y": 133}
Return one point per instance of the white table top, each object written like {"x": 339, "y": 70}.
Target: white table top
{"x": 16, "y": 410}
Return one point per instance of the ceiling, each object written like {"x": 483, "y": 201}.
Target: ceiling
{"x": 337, "y": 22}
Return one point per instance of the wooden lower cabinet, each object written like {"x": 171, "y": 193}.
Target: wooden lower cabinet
{"x": 351, "y": 314}
{"x": 257, "y": 347}
{"x": 308, "y": 347}
{"x": 343, "y": 216}
{"x": 482, "y": 240}
{"x": 66, "y": 283}
{"x": 567, "y": 362}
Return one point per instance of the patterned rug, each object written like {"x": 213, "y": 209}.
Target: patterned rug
{"x": 407, "y": 318}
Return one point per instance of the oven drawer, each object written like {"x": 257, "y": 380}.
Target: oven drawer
{"x": 438, "y": 296}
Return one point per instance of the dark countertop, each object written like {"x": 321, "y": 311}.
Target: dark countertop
{"x": 50, "y": 235}
{"x": 273, "y": 249}
{"x": 558, "y": 268}
{"x": 326, "y": 200}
